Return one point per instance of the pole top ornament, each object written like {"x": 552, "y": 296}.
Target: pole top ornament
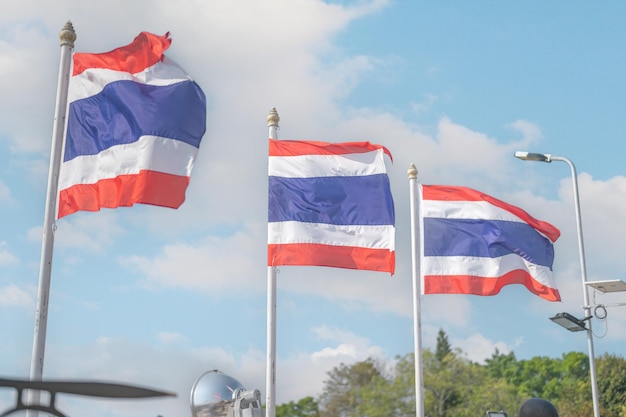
{"x": 412, "y": 171}
{"x": 272, "y": 117}
{"x": 67, "y": 35}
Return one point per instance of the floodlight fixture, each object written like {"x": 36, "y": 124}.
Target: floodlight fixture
{"x": 219, "y": 395}
{"x": 496, "y": 414}
{"x": 570, "y": 322}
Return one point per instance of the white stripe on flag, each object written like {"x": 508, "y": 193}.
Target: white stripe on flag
{"x": 484, "y": 267}
{"x": 465, "y": 210}
{"x": 377, "y": 237}
{"x": 311, "y": 166}
{"x": 90, "y": 82}
{"x": 148, "y": 153}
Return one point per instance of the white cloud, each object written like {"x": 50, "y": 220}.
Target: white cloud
{"x": 447, "y": 310}
{"x": 531, "y": 133}
{"x": 477, "y": 347}
{"x": 303, "y": 374}
{"x": 351, "y": 346}
{"x": 6, "y": 257}
{"x": 85, "y": 231}
{"x": 24, "y": 50}
{"x": 214, "y": 265}
{"x": 426, "y": 103}
{"x": 167, "y": 338}
{"x": 14, "y": 296}
{"x": 5, "y": 192}
{"x": 603, "y": 219}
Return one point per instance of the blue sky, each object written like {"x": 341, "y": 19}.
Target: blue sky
{"x": 155, "y": 297}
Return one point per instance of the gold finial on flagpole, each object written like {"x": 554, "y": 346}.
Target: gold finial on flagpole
{"x": 67, "y": 35}
{"x": 272, "y": 117}
{"x": 412, "y": 171}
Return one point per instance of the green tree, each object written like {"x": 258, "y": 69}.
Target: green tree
{"x": 456, "y": 387}
{"x": 453, "y": 387}
{"x": 492, "y": 394}
{"x": 392, "y": 396}
{"x": 446, "y": 382}
{"x": 575, "y": 399}
{"x": 503, "y": 366}
{"x": 306, "y": 407}
{"x": 611, "y": 376}
{"x": 572, "y": 394}
{"x": 381, "y": 398}
{"x": 342, "y": 392}
{"x": 443, "y": 346}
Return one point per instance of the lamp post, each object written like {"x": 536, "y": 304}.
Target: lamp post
{"x": 527, "y": 156}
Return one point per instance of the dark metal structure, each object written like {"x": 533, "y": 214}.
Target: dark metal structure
{"x": 84, "y": 388}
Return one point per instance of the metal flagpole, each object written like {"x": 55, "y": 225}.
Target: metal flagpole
{"x": 417, "y": 322}
{"x": 67, "y": 37}
{"x": 270, "y": 384}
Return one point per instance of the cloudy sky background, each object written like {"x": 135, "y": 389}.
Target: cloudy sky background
{"x": 155, "y": 297}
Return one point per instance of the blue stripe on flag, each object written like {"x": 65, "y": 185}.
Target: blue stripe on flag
{"x": 485, "y": 238}
{"x": 125, "y": 110}
{"x": 362, "y": 200}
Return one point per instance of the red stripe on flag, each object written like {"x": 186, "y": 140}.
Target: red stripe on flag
{"x": 348, "y": 257}
{"x": 302, "y": 147}
{"x": 147, "y": 187}
{"x": 468, "y": 284}
{"x": 143, "y": 52}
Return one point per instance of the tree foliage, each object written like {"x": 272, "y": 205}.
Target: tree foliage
{"x": 611, "y": 375}
{"x": 343, "y": 390}
{"x": 306, "y": 407}
{"x": 456, "y": 387}
{"x": 443, "y": 347}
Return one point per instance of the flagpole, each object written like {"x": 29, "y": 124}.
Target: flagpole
{"x": 67, "y": 37}
{"x": 417, "y": 324}
{"x": 270, "y": 373}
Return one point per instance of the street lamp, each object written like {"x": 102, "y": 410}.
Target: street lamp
{"x": 569, "y": 322}
{"x": 528, "y": 156}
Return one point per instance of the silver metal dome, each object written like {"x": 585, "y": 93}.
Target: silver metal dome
{"x": 212, "y": 394}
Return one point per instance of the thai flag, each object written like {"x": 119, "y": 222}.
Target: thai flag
{"x": 330, "y": 205}
{"x": 473, "y": 243}
{"x": 134, "y": 127}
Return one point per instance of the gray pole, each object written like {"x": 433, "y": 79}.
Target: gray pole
{"x": 541, "y": 157}
{"x": 270, "y": 373}
{"x": 67, "y": 37}
{"x": 583, "y": 271}
{"x": 417, "y": 321}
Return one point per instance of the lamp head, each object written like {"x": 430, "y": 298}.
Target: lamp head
{"x": 569, "y": 322}
{"x": 529, "y": 156}
{"x": 212, "y": 394}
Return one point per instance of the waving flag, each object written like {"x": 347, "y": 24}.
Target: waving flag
{"x": 473, "y": 243}
{"x": 330, "y": 205}
{"x": 134, "y": 127}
